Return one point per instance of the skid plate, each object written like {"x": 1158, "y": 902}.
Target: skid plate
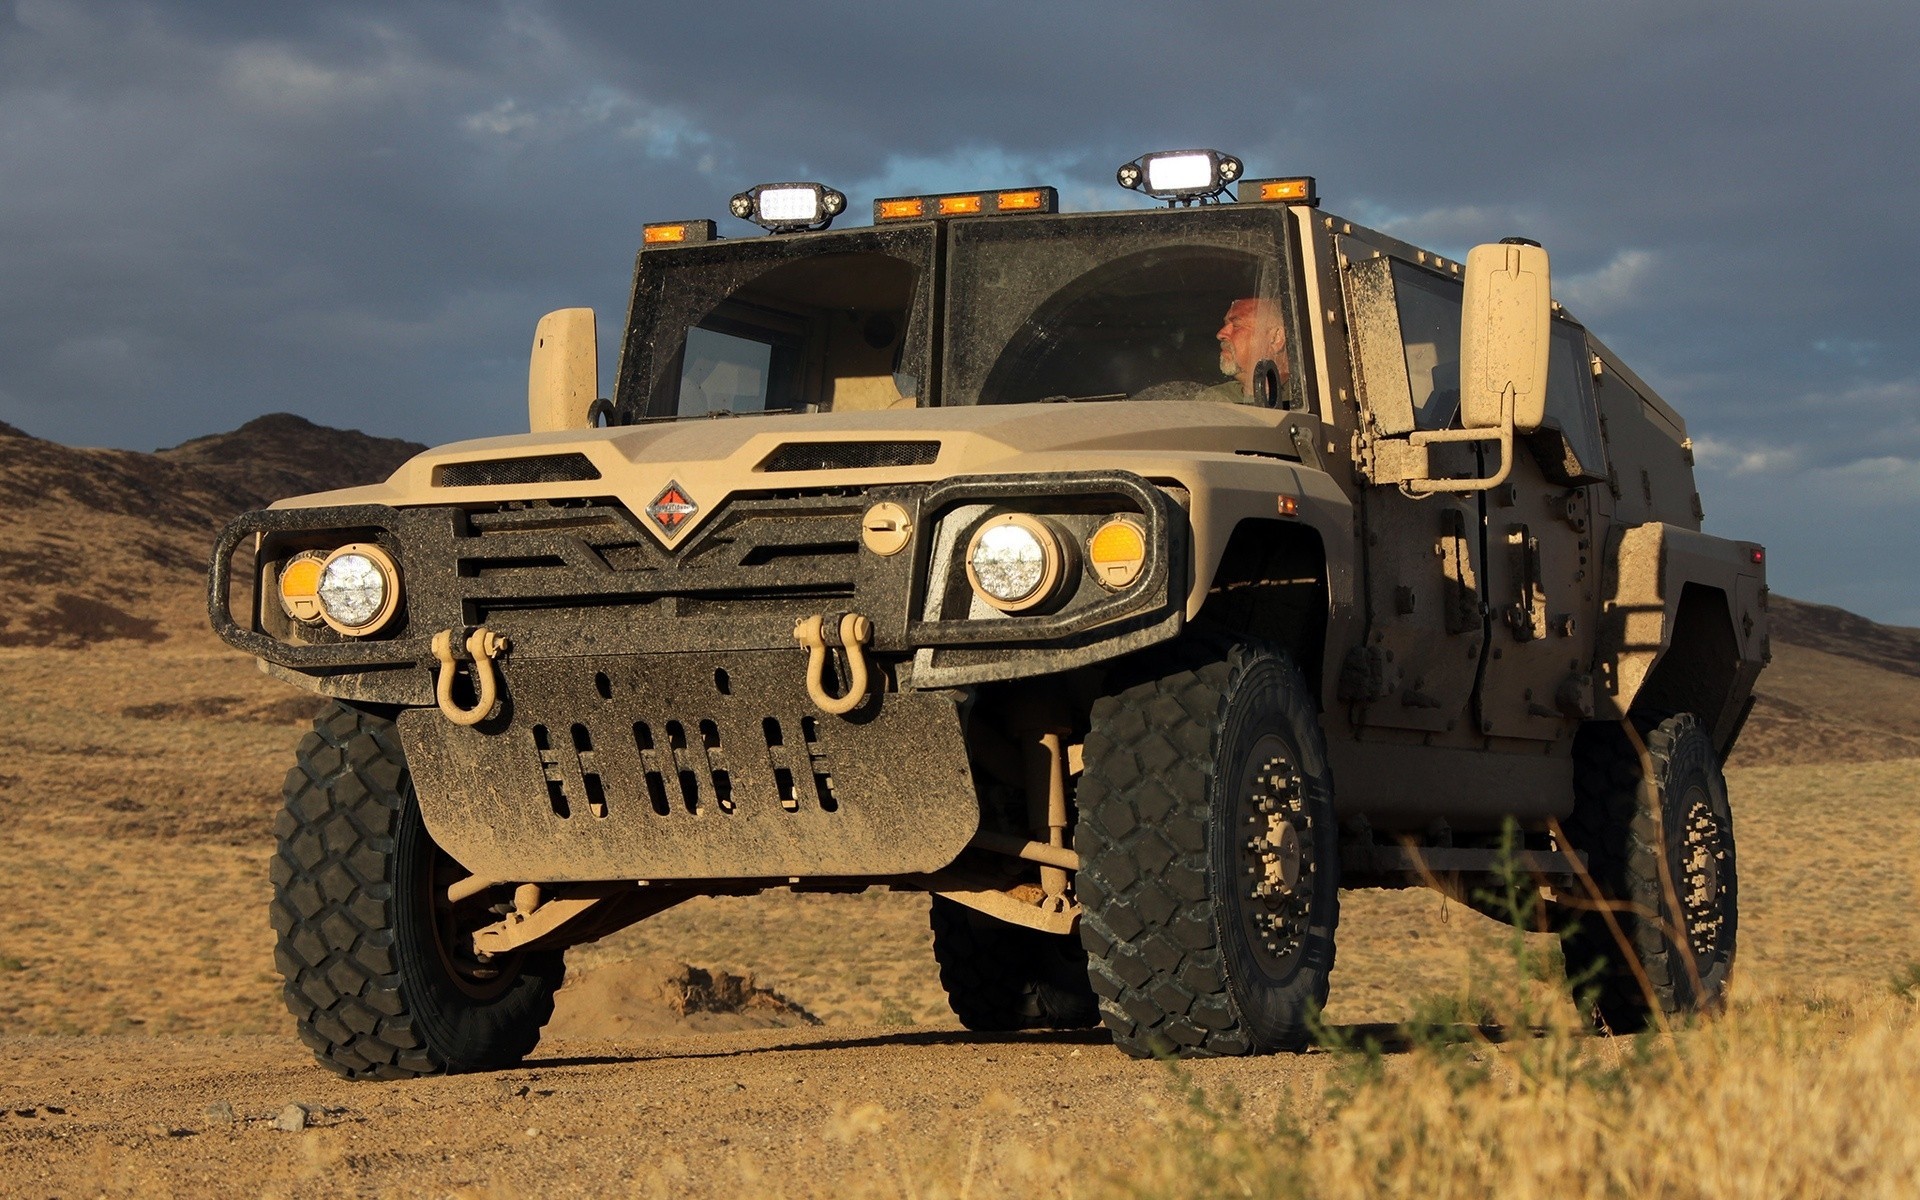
{"x": 684, "y": 766}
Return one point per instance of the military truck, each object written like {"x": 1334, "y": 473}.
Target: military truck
{"x": 1130, "y": 581}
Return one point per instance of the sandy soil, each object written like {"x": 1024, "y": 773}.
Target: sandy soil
{"x": 853, "y": 1110}
{"x": 136, "y": 986}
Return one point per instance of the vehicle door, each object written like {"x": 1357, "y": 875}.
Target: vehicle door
{"x": 1416, "y": 666}
{"x": 1541, "y": 580}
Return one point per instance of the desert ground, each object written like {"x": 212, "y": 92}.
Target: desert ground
{"x": 777, "y": 1045}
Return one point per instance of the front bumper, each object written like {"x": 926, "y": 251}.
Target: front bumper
{"x": 585, "y": 579}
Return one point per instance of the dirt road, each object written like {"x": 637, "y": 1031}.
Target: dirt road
{"x": 778, "y": 1112}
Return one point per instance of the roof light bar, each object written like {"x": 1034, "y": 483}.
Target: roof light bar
{"x": 671, "y": 233}
{"x": 966, "y": 204}
{"x": 789, "y": 207}
{"x": 1181, "y": 176}
{"x": 1296, "y": 190}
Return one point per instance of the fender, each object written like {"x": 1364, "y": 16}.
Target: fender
{"x": 1683, "y": 624}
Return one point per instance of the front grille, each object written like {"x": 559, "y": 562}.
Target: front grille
{"x": 849, "y": 456}
{"x": 778, "y": 558}
{"x": 546, "y": 468}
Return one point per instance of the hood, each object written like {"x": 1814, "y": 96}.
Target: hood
{"x": 709, "y": 459}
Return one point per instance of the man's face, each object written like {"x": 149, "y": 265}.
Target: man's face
{"x": 1252, "y": 331}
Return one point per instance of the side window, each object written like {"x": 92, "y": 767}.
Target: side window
{"x": 1430, "y": 332}
{"x": 1570, "y": 409}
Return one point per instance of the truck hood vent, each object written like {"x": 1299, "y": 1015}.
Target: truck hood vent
{"x": 548, "y": 468}
{"x": 849, "y": 456}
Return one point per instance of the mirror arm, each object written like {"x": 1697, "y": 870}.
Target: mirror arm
{"x": 1503, "y": 434}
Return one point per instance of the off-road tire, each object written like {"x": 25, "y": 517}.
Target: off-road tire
{"x": 1000, "y": 977}
{"x": 1165, "y": 801}
{"x": 1625, "y": 827}
{"x": 372, "y": 992}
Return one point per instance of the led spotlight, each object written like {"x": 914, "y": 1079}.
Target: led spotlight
{"x": 789, "y": 207}
{"x": 1181, "y": 176}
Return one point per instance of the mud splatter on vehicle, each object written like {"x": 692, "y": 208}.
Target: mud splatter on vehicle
{"x": 1129, "y": 581}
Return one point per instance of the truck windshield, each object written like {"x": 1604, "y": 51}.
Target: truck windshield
{"x": 1188, "y": 305}
{"x": 1147, "y": 306}
{"x": 799, "y": 323}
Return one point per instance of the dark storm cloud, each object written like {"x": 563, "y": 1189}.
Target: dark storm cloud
{"x": 355, "y": 211}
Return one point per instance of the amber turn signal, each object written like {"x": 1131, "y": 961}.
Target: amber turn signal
{"x": 1117, "y": 553}
{"x": 300, "y": 586}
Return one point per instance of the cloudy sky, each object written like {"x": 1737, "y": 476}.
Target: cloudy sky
{"x": 355, "y": 212}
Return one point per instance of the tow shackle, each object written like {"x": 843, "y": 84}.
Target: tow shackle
{"x": 482, "y": 645}
{"x": 848, "y": 632}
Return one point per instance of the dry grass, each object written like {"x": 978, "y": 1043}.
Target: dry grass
{"x": 1810, "y": 1099}
{"x": 1496, "y": 1086}
{"x": 1499, "y": 1088}
{"x": 1777, "y": 1099}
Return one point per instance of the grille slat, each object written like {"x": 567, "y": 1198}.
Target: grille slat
{"x": 546, "y": 468}
{"x": 849, "y": 456}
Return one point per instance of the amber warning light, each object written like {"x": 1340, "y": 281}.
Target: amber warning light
{"x": 966, "y": 204}
{"x": 1298, "y": 190}
{"x": 677, "y": 233}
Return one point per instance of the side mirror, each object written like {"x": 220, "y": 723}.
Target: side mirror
{"x": 1505, "y": 327}
{"x": 563, "y": 378}
{"x": 1505, "y": 330}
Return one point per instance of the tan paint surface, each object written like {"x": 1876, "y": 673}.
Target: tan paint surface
{"x": 563, "y": 373}
{"x": 1196, "y": 445}
{"x": 1649, "y": 566}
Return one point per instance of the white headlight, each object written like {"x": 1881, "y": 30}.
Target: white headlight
{"x": 1009, "y": 562}
{"x": 359, "y": 588}
{"x": 1013, "y": 562}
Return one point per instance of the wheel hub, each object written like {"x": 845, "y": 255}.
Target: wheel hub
{"x": 1280, "y": 856}
{"x": 1276, "y": 858}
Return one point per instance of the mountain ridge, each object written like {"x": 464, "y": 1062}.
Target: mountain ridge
{"x": 103, "y": 545}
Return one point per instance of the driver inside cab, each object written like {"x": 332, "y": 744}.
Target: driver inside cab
{"x": 1253, "y": 332}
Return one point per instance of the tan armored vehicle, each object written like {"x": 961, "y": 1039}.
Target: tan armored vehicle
{"x": 1129, "y": 581}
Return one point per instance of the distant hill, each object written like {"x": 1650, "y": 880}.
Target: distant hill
{"x": 1840, "y": 688}
{"x": 111, "y": 546}
{"x": 1848, "y": 635}
{"x": 103, "y": 545}
{"x": 281, "y": 455}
